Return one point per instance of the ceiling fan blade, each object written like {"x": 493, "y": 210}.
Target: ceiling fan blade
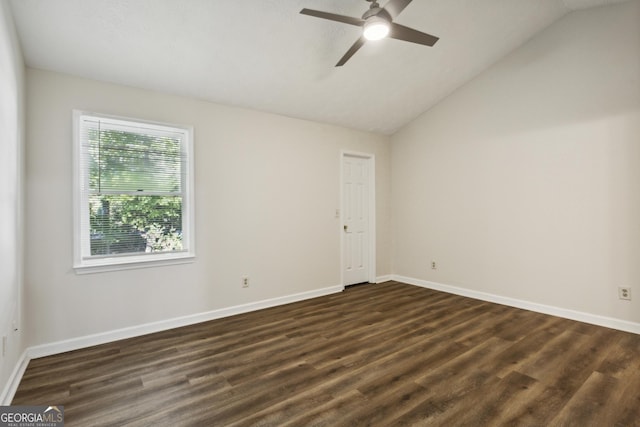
{"x": 394, "y": 7}
{"x": 333, "y": 17}
{"x": 400, "y": 32}
{"x": 353, "y": 49}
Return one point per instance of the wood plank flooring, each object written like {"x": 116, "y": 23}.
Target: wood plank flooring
{"x": 375, "y": 355}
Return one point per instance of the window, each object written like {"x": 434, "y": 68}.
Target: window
{"x": 134, "y": 193}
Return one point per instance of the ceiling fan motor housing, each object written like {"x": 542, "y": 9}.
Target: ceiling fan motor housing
{"x": 377, "y": 11}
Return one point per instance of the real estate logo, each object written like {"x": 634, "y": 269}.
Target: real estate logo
{"x": 31, "y": 416}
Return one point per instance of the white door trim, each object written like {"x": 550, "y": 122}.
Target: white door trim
{"x": 371, "y": 163}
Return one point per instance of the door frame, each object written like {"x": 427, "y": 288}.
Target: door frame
{"x": 371, "y": 228}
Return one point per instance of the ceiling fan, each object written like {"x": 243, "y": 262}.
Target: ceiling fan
{"x": 377, "y": 23}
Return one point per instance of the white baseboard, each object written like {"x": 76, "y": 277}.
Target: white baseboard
{"x": 594, "y": 319}
{"x": 382, "y": 279}
{"x": 163, "y": 325}
{"x": 14, "y": 380}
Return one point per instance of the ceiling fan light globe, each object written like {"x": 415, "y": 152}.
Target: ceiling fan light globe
{"x": 375, "y": 29}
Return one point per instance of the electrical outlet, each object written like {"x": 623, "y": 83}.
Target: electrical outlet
{"x": 245, "y": 281}
{"x": 624, "y": 293}
{"x": 434, "y": 266}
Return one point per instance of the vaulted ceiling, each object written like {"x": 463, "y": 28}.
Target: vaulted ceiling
{"x": 263, "y": 54}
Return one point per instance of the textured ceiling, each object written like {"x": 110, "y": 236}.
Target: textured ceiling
{"x": 266, "y": 56}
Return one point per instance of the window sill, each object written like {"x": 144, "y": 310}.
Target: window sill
{"x": 129, "y": 263}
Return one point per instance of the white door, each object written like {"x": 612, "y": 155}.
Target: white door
{"x": 355, "y": 217}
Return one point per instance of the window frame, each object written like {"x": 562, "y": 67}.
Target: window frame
{"x": 83, "y": 264}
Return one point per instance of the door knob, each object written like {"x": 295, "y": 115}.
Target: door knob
{"x": 346, "y": 227}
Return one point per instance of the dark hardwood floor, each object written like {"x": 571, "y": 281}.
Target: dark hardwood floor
{"x": 379, "y": 355}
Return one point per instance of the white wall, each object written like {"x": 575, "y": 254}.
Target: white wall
{"x": 525, "y": 183}
{"x": 267, "y": 190}
{"x": 11, "y": 159}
